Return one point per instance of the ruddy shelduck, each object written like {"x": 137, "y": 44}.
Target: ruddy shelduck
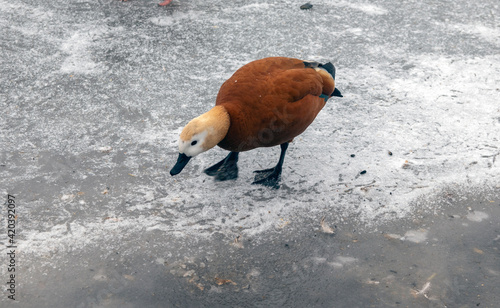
{"x": 265, "y": 103}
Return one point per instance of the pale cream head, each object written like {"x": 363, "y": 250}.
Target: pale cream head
{"x": 204, "y": 132}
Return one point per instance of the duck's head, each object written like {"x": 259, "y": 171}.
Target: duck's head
{"x": 201, "y": 134}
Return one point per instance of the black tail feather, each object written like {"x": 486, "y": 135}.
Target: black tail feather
{"x": 336, "y": 92}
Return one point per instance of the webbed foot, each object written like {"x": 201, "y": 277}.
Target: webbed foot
{"x": 226, "y": 169}
{"x": 271, "y": 177}
{"x": 268, "y": 177}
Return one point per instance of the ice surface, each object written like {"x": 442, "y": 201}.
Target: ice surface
{"x": 78, "y": 59}
{"x": 95, "y": 93}
{"x": 131, "y": 86}
{"x": 366, "y": 8}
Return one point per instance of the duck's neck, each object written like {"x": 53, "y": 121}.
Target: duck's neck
{"x": 219, "y": 121}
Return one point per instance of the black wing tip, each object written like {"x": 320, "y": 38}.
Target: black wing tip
{"x": 311, "y": 64}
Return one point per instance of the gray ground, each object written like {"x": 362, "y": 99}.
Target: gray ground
{"x": 95, "y": 93}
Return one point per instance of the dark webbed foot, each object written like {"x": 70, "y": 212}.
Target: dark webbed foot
{"x": 212, "y": 171}
{"x": 226, "y": 169}
{"x": 271, "y": 177}
{"x": 264, "y": 171}
{"x": 268, "y": 177}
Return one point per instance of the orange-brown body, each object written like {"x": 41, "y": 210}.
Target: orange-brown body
{"x": 271, "y": 101}
{"x": 265, "y": 103}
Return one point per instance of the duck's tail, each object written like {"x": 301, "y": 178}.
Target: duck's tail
{"x": 327, "y": 72}
{"x": 329, "y": 68}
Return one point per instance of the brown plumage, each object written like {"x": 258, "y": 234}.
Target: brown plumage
{"x": 268, "y": 102}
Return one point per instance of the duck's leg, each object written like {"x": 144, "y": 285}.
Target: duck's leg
{"x": 271, "y": 177}
{"x": 226, "y": 169}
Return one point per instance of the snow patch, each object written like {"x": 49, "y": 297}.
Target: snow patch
{"x": 415, "y": 236}
{"x": 477, "y": 216}
{"x": 366, "y": 8}
{"x": 176, "y": 18}
{"x": 78, "y": 48}
{"x": 66, "y": 237}
{"x": 341, "y": 261}
{"x": 491, "y": 35}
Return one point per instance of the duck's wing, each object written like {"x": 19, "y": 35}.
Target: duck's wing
{"x": 285, "y": 78}
{"x": 270, "y": 101}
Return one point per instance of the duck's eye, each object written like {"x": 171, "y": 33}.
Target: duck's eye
{"x": 194, "y": 142}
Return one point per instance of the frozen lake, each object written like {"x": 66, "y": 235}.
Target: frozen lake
{"x": 95, "y": 93}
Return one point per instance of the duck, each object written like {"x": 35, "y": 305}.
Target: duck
{"x": 265, "y": 103}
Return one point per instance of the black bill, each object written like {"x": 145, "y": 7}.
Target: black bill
{"x": 182, "y": 161}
